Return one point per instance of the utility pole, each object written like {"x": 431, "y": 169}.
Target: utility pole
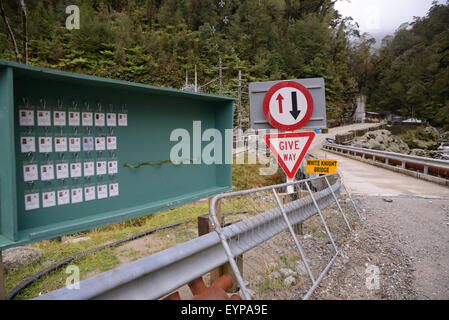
{"x": 196, "y": 80}
{"x": 220, "y": 75}
{"x": 239, "y": 92}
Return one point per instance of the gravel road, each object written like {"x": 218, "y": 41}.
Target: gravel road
{"x": 407, "y": 239}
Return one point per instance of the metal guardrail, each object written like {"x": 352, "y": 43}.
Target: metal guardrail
{"x": 404, "y": 159}
{"x": 157, "y": 275}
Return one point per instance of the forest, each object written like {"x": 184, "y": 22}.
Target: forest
{"x": 157, "y": 42}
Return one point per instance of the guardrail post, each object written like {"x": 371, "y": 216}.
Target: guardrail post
{"x": 426, "y": 169}
{"x": 374, "y": 158}
{"x": 387, "y": 161}
{"x": 404, "y": 165}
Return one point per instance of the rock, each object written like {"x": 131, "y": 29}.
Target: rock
{"x": 274, "y": 276}
{"x": 19, "y": 257}
{"x": 418, "y": 152}
{"x": 290, "y": 281}
{"x": 75, "y": 240}
{"x": 286, "y": 272}
{"x": 300, "y": 268}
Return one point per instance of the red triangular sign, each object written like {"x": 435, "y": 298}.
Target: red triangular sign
{"x": 289, "y": 149}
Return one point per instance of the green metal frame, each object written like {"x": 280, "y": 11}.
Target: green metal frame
{"x": 153, "y": 113}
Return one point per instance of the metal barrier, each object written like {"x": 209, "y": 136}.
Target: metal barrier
{"x": 427, "y": 165}
{"x": 279, "y": 216}
{"x": 162, "y": 273}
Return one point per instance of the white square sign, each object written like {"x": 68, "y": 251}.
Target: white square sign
{"x": 88, "y": 144}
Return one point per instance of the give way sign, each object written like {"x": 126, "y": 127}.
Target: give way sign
{"x": 289, "y": 149}
{"x": 288, "y": 106}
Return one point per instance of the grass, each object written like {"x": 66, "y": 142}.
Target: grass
{"x": 243, "y": 177}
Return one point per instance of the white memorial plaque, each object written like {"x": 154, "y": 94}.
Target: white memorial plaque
{"x": 62, "y": 171}
{"x": 74, "y": 119}
{"x": 102, "y": 191}
{"x": 112, "y": 143}
{"x": 59, "y": 118}
{"x": 30, "y": 173}
{"x": 88, "y": 144}
{"x": 100, "y": 143}
{"x": 75, "y": 144}
{"x": 43, "y": 118}
{"x": 123, "y": 119}
{"x": 26, "y": 117}
{"x": 111, "y": 119}
{"x": 112, "y": 167}
{"x": 113, "y": 190}
{"x": 45, "y": 145}
{"x": 77, "y": 195}
{"x": 99, "y": 119}
{"x": 89, "y": 193}
{"x": 87, "y": 119}
{"x": 31, "y": 201}
{"x": 75, "y": 170}
{"x": 27, "y": 144}
{"x": 101, "y": 168}
{"x": 89, "y": 169}
{"x": 48, "y": 199}
{"x": 60, "y": 144}
{"x": 63, "y": 197}
{"x": 47, "y": 172}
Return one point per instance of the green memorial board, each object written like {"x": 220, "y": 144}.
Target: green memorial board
{"x": 70, "y": 145}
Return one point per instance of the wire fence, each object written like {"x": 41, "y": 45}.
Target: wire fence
{"x": 293, "y": 237}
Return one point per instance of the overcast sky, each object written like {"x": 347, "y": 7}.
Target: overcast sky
{"x": 382, "y": 17}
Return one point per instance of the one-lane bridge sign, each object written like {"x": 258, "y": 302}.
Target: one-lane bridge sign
{"x": 288, "y": 106}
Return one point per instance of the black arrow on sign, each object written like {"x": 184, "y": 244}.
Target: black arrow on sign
{"x": 295, "y": 113}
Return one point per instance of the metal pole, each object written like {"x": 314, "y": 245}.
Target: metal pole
{"x": 281, "y": 207}
{"x": 338, "y": 204}
{"x": 321, "y": 216}
{"x": 228, "y": 252}
{"x": 2, "y": 280}
{"x": 221, "y": 77}
{"x": 349, "y": 194}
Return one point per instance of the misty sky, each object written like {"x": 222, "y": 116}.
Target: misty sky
{"x": 382, "y": 17}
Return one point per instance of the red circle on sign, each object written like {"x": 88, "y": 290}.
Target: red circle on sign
{"x": 272, "y": 91}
